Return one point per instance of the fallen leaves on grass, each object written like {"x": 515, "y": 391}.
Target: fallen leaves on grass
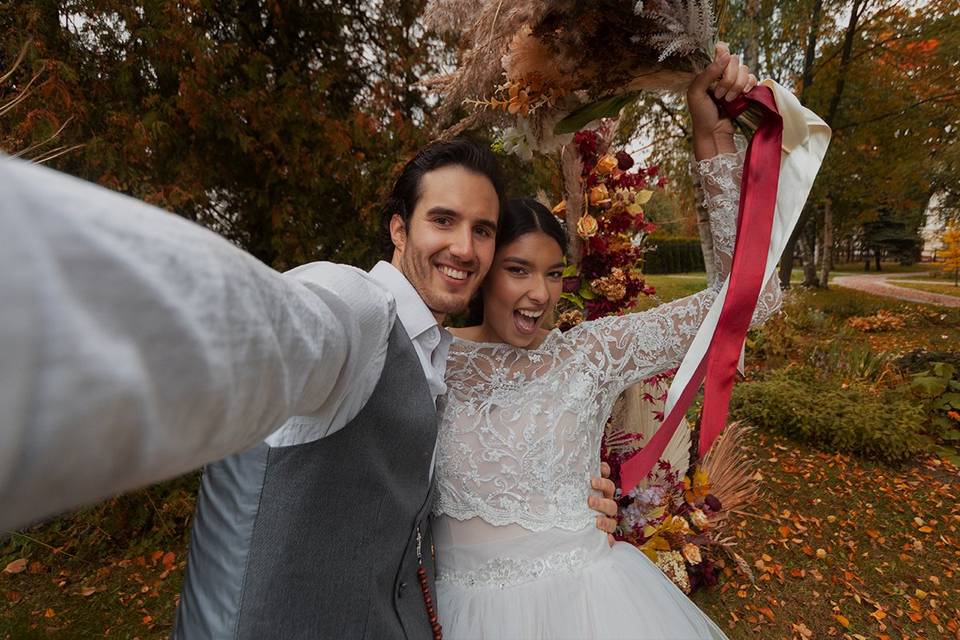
{"x": 843, "y": 548}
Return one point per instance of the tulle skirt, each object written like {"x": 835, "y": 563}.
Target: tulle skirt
{"x": 559, "y": 584}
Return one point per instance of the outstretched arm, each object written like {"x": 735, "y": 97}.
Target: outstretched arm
{"x": 137, "y": 345}
{"x": 636, "y": 346}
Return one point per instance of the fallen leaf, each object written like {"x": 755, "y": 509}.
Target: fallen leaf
{"x": 16, "y": 566}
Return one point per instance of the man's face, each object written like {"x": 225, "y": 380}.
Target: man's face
{"x": 448, "y": 248}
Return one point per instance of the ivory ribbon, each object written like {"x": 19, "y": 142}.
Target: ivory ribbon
{"x": 772, "y": 196}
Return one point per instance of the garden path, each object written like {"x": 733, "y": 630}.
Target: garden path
{"x": 878, "y": 284}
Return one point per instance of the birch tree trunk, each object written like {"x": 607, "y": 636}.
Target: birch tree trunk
{"x": 826, "y": 254}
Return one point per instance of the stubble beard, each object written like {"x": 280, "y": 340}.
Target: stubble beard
{"x": 419, "y": 271}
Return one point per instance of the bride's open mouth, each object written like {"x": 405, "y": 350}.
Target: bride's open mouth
{"x": 526, "y": 320}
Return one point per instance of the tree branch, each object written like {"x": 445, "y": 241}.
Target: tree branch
{"x": 898, "y": 112}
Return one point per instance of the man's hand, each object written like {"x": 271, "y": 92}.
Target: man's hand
{"x": 605, "y": 506}
{"x": 727, "y": 79}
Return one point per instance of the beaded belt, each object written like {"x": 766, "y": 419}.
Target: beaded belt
{"x": 506, "y": 572}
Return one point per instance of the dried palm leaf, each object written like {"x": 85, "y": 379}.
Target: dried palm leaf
{"x": 731, "y": 472}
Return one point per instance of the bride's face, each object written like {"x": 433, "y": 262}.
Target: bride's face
{"x": 522, "y": 288}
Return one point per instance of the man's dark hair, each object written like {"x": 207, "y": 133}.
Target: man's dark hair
{"x": 406, "y": 192}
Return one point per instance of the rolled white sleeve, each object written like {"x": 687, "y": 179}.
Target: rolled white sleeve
{"x": 135, "y": 345}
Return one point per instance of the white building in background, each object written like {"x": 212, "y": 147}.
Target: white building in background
{"x": 933, "y": 227}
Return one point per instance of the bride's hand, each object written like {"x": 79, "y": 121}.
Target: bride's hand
{"x": 727, "y": 79}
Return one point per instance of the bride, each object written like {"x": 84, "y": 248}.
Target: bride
{"x": 518, "y": 555}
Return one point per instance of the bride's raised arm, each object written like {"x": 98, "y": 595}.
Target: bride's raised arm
{"x": 635, "y": 346}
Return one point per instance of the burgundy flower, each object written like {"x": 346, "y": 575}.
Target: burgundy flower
{"x": 624, "y": 160}
{"x": 571, "y": 284}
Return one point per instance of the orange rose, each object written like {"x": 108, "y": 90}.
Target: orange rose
{"x": 599, "y": 194}
{"x": 606, "y": 164}
{"x": 587, "y": 226}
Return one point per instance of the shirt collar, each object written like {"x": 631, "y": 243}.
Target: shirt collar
{"x": 411, "y": 310}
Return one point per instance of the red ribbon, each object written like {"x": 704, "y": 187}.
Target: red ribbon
{"x": 758, "y": 201}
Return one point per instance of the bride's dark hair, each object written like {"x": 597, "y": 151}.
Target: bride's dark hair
{"x": 521, "y": 216}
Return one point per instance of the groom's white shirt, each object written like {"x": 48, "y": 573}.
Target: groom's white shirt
{"x": 136, "y": 346}
{"x": 430, "y": 340}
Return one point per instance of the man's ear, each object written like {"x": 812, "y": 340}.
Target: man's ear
{"x": 398, "y": 232}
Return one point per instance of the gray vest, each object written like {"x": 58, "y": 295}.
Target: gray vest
{"x": 319, "y": 540}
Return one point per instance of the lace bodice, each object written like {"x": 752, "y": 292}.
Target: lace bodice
{"x": 520, "y": 428}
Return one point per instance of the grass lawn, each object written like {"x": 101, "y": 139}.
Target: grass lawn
{"x": 839, "y": 547}
{"x": 673, "y": 286}
{"x": 111, "y": 571}
{"x": 932, "y": 287}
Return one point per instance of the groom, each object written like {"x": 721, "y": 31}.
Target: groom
{"x": 137, "y": 346}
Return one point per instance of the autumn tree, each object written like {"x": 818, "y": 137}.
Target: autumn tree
{"x": 951, "y": 253}
{"x": 882, "y": 73}
{"x": 275, "y": 124}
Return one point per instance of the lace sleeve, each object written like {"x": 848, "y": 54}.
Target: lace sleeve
{"x": 635, "y": 346}
{"x": 720, "y": 177}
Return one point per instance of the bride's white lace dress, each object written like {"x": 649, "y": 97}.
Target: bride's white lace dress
{"x": 518, "y": 555}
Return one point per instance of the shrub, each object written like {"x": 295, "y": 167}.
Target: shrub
{"x": 853, "y": 360}
{"x": 844, "y": 417}
{"x": 938, "y": 388}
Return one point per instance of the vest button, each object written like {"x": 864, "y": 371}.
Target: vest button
{"x": 403, "y": 585}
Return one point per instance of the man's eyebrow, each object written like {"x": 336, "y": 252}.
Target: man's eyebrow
{"x": 444, "y": 211}
{"x": 492, "y": 226}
